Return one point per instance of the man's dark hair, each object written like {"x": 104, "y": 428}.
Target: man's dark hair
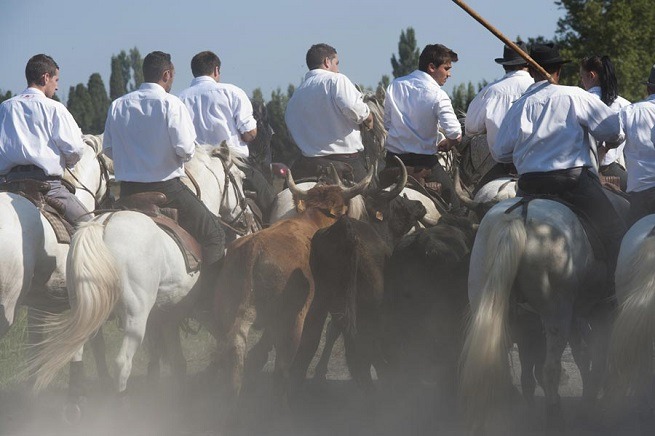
{"x": 37, "y": 66}
{"x": 154, "y": 65}
{"x": 317, "y": 54}
{"x": 436, "y": 54}
{"x": 203, "y": 63}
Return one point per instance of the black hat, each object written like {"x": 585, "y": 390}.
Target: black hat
{"x": 547, "y": 54}
{"x": 651, "y": 78}
{"x": 510, "y": 57}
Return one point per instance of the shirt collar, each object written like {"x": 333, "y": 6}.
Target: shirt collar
{"x": 33, "y": 91}
{"x": 424, "y": 77}
{"x": 517, "y": 73}
{"x": 152, "y": 86}
{"x": 202, "y": 79}
{"x": 317, "y": 72}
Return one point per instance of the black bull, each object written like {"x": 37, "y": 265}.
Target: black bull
{"x": 347, "y": 261}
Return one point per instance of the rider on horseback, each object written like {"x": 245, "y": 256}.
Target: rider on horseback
{"x": 415, "y": 108}
{"x": 150, "y": 135}
{"x": 546, "y": 134}
{"x": 39, "y": 138}
{"x": 486, "y": 111}
{"x": 323, "y": 118}
{"x": 223, "y": 112}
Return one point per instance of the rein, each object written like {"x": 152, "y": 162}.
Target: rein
{"x": 104, "y": 174}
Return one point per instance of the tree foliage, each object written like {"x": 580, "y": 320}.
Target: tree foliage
{"x": 463, "y": 94}
{"x": 100, "y": 101}
{"x": 5, "y": 96}
{"x": 126, "y": 73}
{"x": 620, "y": 29}
{"x": 408, "y": 54}
{"x": 282, "y": 146}
{"x": 80, "y": 105}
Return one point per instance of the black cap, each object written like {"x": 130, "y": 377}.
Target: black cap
{"x": 510, "y": 57}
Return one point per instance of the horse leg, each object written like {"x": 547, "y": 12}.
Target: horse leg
{"x": 601, "y": 326}
{"x": 580, "y": 351}
{"x": 332, "y": 334}
{"x": 76, "y": 398}
{"x": 171, "y": 334}
{"x": 99, "y": 353}
{"x": 530, "y": 340}
{"x": 557, "y": 329}
{"x": 156, "y": 345}
{"x": 135, "y": 328}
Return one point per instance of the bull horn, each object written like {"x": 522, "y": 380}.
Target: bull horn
{"x": 400, "y": 183}
{"x": 360, "y": 187}
{"x": 297, "y": 193}
{"x": 463, "y": 197}
{"x": 428, "y": 221}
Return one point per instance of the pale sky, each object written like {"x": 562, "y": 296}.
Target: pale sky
{"x": 260, "y": 43}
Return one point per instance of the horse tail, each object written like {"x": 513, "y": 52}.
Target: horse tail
{"x": 94, "y": 287}
{"x": 631, "y": 342}
{"x": 484, "y": 365}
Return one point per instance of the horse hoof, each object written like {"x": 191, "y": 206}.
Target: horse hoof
{"x": 72, "y": 413}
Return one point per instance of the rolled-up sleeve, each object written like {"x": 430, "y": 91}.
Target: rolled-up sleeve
{"x": 443, "y": 110}
{"x": 181, "y": 131}
{"x": 67, "y": 136}
{"x": 350, "y": 101}
{"x": 243, "y": 116}
{"x": 476, "y": 116}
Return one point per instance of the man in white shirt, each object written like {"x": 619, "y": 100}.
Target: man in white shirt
{"x": 415, "y": 108}
{"x": 546, "y": 134}
{"x": 39, "y": 138}
{"x": 323, "y": 117}
{"x": 487, "y": 110}
{"x": 149, "y": 135}
{"x": 223, "y": 112}
{"x": 638, "y": 120}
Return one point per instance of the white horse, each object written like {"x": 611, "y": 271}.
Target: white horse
{"x": 32, "y": 266}
{"x": 631, "y": 343}
{"x": 122, "y": 260}
{"x": 542, "y": 258}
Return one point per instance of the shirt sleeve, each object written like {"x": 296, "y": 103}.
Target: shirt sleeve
{"x": 600, "y": 120}
{"x": 443, "y": 110}
{"x": 67, "y": 136}
{"x": 350, "y": 101}
{"x": 107, "y": 136}
{"x": 476, "y": 115}
{"x": 243, "y": 113}
{"x": 502, "y": 149}
{"x": 181, "y": 130}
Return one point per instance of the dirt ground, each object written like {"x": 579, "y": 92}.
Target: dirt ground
{"x": 333, "y": 406}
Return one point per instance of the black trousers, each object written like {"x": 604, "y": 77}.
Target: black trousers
{"x": 257, "y": 182}
{"x": 582, "y": 188}
{"x": 642, "y": 203}
{"x": 437, "y": 174}
{"x": 350, "y": 167}
{"x": 193, "y": 215}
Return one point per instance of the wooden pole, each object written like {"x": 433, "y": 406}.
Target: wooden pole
{"x": 503, "y": 38}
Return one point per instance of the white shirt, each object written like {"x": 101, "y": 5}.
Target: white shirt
{"x": 613, "y": 154}
{"x": 414, "y": 109}
{"x": 547, "y": 129}
{"x": 220, "y": 112}
{"x": 638, "y": 122}
{"x": 324, "y": 113}
{"x": 149, "y": 135}
{"x": 37, "y": 130}
{"x": 487, "y": 110}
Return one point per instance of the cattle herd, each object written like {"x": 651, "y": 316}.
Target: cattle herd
{"x": 391, "y": 283}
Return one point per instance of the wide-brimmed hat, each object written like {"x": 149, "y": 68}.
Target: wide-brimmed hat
{"x": 547, "y": 54}
{"x": 510, "y": 57}
{"x": 651, "y": 78}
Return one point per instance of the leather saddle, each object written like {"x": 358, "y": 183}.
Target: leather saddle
{"x": 150, "y": 203}
{"x": 51, "y": 208}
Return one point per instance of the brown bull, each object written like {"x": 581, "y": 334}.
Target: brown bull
{"x": 266, "y": 280}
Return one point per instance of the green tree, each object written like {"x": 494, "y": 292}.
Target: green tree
{"x": 81, "y": 107}
{"x": 620, "y": 29}
{"x": 6, "y": 96}
{"x": 117, "y": 84}
{"x": 462, "y": 96}
{"x": 136, "y": 64}
{"x": 408, "y": 54}
{"x": 282, "y": 146}
{"x": 100, "y": 102}
{"x": 257, "y": 95}
{"x": 384, "y": 81}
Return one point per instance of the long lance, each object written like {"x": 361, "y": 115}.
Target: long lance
{"x": 503, "y": 38}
